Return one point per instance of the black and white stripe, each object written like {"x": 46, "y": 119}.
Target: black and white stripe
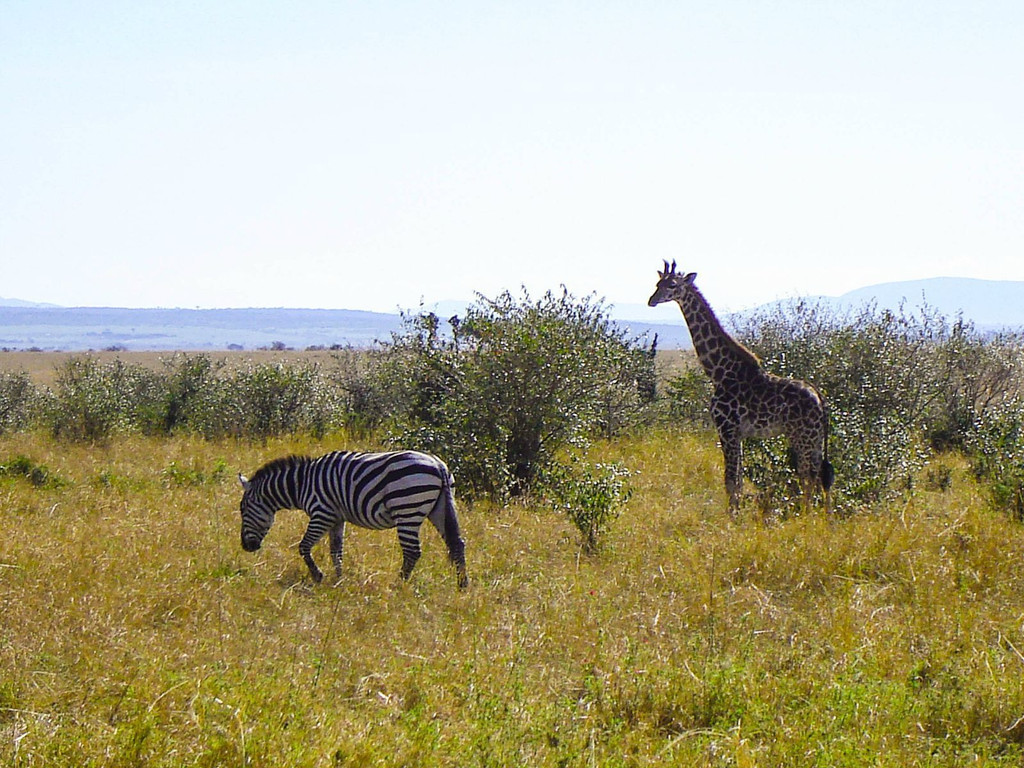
{"x": 372, "y": 490}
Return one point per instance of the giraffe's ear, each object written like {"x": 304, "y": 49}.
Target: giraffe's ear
{"x": 690, "y": 278}
{"x": 244, "y": 481}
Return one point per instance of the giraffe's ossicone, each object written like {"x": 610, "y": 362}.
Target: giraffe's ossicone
{"x": 747, "y": 400}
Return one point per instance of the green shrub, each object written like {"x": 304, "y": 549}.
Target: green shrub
{"x": 93, "y": 400}
{"x": 363, "y": 403}
{"x": 39, "y": 475}
{"x": 996, "y": 450}
{"x": 898, "y": 384}
{"x": 187, "y": 380}
{"x": 19, "y": 401}
{"x": 262, "y": 401}
{"x": 895, "y": 382}
{"x": 879, "y": 373}
{"x": 590, "y": 495}
{"x": 976, "y": 376}
{"x": 688, "y": 395}
{"x": 510, "y": 386}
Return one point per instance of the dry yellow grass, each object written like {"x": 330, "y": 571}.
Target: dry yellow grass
{"x": 135, "y": 630}
{"x": 42, "y": 366}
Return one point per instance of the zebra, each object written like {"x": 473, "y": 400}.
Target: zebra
{"x": 397, "y": 489}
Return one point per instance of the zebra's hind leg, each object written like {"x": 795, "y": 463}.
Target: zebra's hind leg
{"x": 458, "y": 558}
{"x": 409, "y": 559}
{"x": 338, "y": 546}
{"x": 446, "y": 522}
{"x": 409, "y": 541}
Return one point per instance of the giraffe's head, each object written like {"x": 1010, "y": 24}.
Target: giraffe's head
{"x": 671, "y": 285}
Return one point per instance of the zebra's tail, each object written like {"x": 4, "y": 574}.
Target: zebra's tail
{"x": 447, "y": 522}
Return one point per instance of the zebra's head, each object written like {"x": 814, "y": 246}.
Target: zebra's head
{"x": 257, "y": 515}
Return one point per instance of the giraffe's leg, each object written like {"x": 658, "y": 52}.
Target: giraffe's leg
{"x": 826, "y": 476}
{"x": 725, "y": 419}
{"x": 806, "y": 493}
{"x": 732, "y": 450}
{"x": 804, "y": 471}
{"x": 814, "y": 473}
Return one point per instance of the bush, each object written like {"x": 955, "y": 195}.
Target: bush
{"x": 39, "y": 475}
{"x": 996, "y": 450}
{"x": 188, "y": 379}
{"x": 363, "y": 402}
{"x": 262, "y": 401}
{"x": 510, "y": 386}
{"x": 688, "y": 395}
{"x": 879, "y": 374}
{"x": 896, "y": 383}
{"x": 977, "y": 376}
{"x": 93, "y": 400}
{"x": 19, "y": 401}
{"x": 591, "y": 496}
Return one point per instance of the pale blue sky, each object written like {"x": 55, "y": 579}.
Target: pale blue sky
{"x": 367, "y": 155}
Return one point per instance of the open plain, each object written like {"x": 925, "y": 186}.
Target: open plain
{"x": 135, "y": 630}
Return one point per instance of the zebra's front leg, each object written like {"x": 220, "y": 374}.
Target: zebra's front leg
{"x": 338, "y": 546}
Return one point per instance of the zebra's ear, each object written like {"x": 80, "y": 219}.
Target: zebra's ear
{"x": 244, "y": 481}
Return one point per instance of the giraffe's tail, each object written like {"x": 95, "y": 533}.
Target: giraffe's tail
{"x": 828, "y": 474}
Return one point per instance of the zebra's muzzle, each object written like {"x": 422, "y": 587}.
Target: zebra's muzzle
{"x": 251, "y": 543}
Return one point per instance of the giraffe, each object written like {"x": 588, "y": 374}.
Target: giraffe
{"x": 748, "y": 401}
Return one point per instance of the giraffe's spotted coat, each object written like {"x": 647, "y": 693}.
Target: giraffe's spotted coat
{"x": 748, "y": 401}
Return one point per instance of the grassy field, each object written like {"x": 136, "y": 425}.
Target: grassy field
{"x": 42, "y": 367}
{"x": 135, "y": 631}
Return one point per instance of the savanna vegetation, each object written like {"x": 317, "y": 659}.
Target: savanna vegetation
{"x": 617, "y": 616}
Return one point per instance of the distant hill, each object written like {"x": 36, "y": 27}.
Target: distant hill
{"x": 989, "y": 304}
{"x": 20, "y": 303}
{"x": 74, "y": 329}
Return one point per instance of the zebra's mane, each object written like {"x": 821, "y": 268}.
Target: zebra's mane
{"x": 275, "y": 466}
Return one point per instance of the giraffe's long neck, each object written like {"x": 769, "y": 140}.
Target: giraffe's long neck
{"x": 719, "y": 353}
